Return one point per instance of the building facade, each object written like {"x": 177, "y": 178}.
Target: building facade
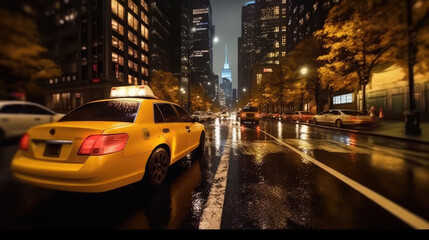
{"x": 203, "y": 32}
{"x": 304, "y": 18}
{"x": 98, "y": 44}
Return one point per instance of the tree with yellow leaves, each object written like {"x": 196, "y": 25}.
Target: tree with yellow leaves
{"x": 165, "y": 86}
{"x": 21, "y": 54}
{"x": 356, "y": 40}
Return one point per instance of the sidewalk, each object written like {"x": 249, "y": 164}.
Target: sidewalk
{"x": 396, "y": 129}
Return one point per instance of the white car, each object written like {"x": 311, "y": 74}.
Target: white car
{"x": 342, "y": 117}
{"x": 201, "y": 115}
{"x": 224, "y": 115}
{"x": 16, "y": 117}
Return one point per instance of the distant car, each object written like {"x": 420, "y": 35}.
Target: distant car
{"x": 250, "y": 114}
{"x": 286, "y": 116}
{"x": 274, "y": 115}
{"x": 16, "y": 117}
{"x": 302, "y": 116}
{"x": 224, "y": 115}
{"x": 343, "y": 117}
{"x": 210, "y": 116}
{"x": 200, "y": 115}
{"x": 264, "y": 115}
{"x": 108, "y": 143}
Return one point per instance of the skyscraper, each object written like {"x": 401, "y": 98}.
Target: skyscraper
{"x": 98, "y": 44}
{"x": 226, "y": 83}
{"x": 202, "y": 47}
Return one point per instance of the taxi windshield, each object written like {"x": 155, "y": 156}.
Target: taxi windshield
{"x": 112, "y": 111}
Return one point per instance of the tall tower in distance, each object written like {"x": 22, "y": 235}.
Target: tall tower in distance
{"x": 226, "y": 83}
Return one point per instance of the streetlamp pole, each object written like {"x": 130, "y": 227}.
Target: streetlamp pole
{"x": 412, "y": 116}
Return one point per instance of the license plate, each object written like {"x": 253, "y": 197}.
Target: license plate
{"x": 250, "y": 115}
{"x": 52, "y": 150}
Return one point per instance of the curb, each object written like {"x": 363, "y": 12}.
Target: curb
{"x": 360, "y": 132}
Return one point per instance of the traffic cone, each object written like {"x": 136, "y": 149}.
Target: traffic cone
{"x": 381, "y": 115}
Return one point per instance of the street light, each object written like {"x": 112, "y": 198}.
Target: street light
{"x": 303, "y": 70}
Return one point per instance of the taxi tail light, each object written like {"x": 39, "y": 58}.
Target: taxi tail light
{"x": 243, "y": 115}
{"x": 24, "y": 142}
{"x": 257, "y": 115}
{"x": 103, "y": 144}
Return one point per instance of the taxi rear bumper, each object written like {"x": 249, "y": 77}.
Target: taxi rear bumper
{"x": 96, "y": 174}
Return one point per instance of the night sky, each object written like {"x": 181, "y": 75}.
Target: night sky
{"x": 227, "y": 21}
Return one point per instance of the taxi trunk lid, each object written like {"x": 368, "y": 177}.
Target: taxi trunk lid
{"x": 61, "y": 141}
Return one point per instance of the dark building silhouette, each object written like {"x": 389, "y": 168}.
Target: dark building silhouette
{"x": 98, "y": 44}
{"x": 203, "y": 32}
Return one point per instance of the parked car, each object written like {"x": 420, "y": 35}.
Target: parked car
{"x": 274, "y": 115}
{"x": 16, "y": 117}
{"x": 264, "y": 115}
{"x": 343, "y": 117}
{"x": 302, "y": 116}
{"x": 286, "y": 116}
{"x": 200, "y": 115}
{"x": 249, "y": 114}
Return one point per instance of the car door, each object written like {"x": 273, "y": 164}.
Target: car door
{"x": 192, "y": 128}
{"x": 37, "y": 115}
{"x": 173, "y": 130}
{"x": 13, "y": 121}
{"x": 321, "y": 117}
{"x": 332, "y": 116}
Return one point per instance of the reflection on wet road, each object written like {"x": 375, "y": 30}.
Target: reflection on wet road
{"x": 269, "y": 176}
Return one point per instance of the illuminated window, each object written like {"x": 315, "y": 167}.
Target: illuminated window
{"x": 342, "y": 99}
{"x": 145, "y": 59}
{"x": 144, "y": 46}
{"x": 117, "y": 43}
{"x": 132, "y": 6}
{"x": 144, "y": 4}
{"x": 144, "y": 17}
{"x": 133, "y": 22}
{"x": 117, "y": 27}
{"x": 117, "y": 9}
{"x": 132, "y": 38}
{"x": 144, "y": 32}
{"x": 258, "y": 78}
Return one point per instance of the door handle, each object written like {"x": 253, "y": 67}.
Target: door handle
{"x": 187, "y": 128}
{"x": 166, "y": 130}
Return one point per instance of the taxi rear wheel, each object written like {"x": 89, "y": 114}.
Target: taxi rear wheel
{"x": 157, "y": 167}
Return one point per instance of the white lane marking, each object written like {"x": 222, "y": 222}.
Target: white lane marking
{"x": 212, "y": 215}
{"x": 395, "y": 209}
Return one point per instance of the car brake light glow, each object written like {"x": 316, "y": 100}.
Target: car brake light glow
{"x": 24, "y": 142}
{"x": 103, "y": 144}
{"x": 353, "y": 118}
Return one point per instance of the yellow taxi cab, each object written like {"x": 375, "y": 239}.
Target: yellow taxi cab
{"x": 108, "y": 143}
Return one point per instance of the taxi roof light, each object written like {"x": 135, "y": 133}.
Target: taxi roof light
{"x": 132, "y": 91}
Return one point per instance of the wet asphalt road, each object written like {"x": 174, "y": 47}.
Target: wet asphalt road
{"x": 271, "y": 176}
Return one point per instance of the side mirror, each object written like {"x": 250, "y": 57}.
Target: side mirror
{"x": 195, "y": 119}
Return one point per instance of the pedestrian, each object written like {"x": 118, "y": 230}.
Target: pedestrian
{"x": 371, "y": 112}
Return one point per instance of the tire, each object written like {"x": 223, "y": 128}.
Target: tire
{"x": 338, "y": 123}
{"x": 157, "y": 167}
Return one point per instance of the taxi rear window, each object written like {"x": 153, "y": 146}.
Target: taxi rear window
{"x": 111, "y": 111}
{"x": 250, "y": 109}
